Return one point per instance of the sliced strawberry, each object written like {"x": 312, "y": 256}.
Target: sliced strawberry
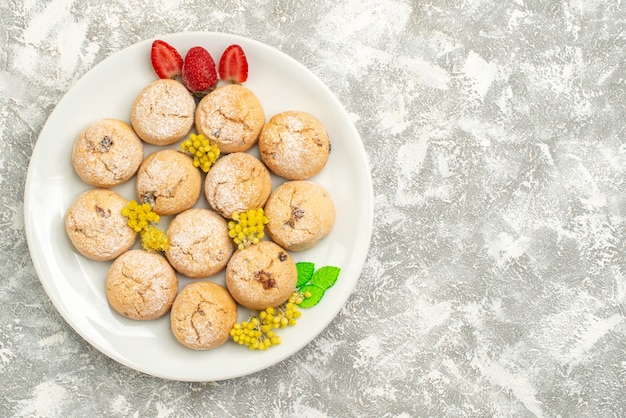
{"x": 199, "y": 73}
{"x": 166, "y": 60}
{"x": 234, "y": 65}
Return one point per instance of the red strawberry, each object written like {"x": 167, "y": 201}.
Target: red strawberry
{"x": 166, "y": 60}
{"x": 234, "y": 65}
{"x": 199, "y": 73}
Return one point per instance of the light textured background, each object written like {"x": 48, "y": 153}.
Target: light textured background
{"x": 496, "y": 279}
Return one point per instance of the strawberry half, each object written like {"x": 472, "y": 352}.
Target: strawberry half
{"x": 199, "y": 73}
{"x": 234, "y": 65}
{"x": 166, "y": 60}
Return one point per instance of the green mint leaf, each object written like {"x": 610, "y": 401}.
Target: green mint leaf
{"x": 305, "y": 272}
{"x": 325, "y": 276}
{"x": 316, "y": 295}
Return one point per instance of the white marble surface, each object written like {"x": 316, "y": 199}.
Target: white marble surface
{"x": 496, "y": 280}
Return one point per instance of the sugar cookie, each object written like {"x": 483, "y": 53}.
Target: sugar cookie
{"x": 261, "y": 275}
{"x": 107, "y": 153}
{"x": 96, "y": 227}
{"x": 163, "y": 112}
{"x": 199, "y": 244}
{"x": 168, "y": 181}
{"x": 294, "y": 145}
{"x": 202, "y": 315}
{"x": 237, "y": 182}
{"x": 230, "y": 116}
{"x": 300, "y": 214}
{"x": 141, "y": 285}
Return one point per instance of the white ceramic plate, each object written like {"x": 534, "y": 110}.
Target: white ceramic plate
{"x": 76, "y": 285}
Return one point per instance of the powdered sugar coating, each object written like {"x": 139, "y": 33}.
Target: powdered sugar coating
{"x": 202, "y": 315}
{"x": 141, "y": 285}
{"x": 107, "y": 153}
{"x": 300, "y": 214}
{"x": 168, "y": 181}
{"x": 199, "y": 243}
{"x": 261, "y": 275}
{"x": 96, "y": 227}
{"x": 231, "y": 116}
{"x": 163, "y": 112}
{"x": 294, "y": 145}
{"x": 237, "y": 182}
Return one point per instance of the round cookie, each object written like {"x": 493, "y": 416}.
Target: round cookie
{"x": 230, "y": 116}
{"x": 202, "y": 315}
{"x": 261, "y": 275}
{"x": 300, "y": 214}
{"x": 141, "y": 285}
{"x": 168, "y": 181}
{"x": 96, "y": 227}
{"x": 107, "y": 153}
{"x": 199, "y": 244}
{"x": 163, "y": 112}
{"x": 294, "y": 145}
{"x": 237, "y": 182}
